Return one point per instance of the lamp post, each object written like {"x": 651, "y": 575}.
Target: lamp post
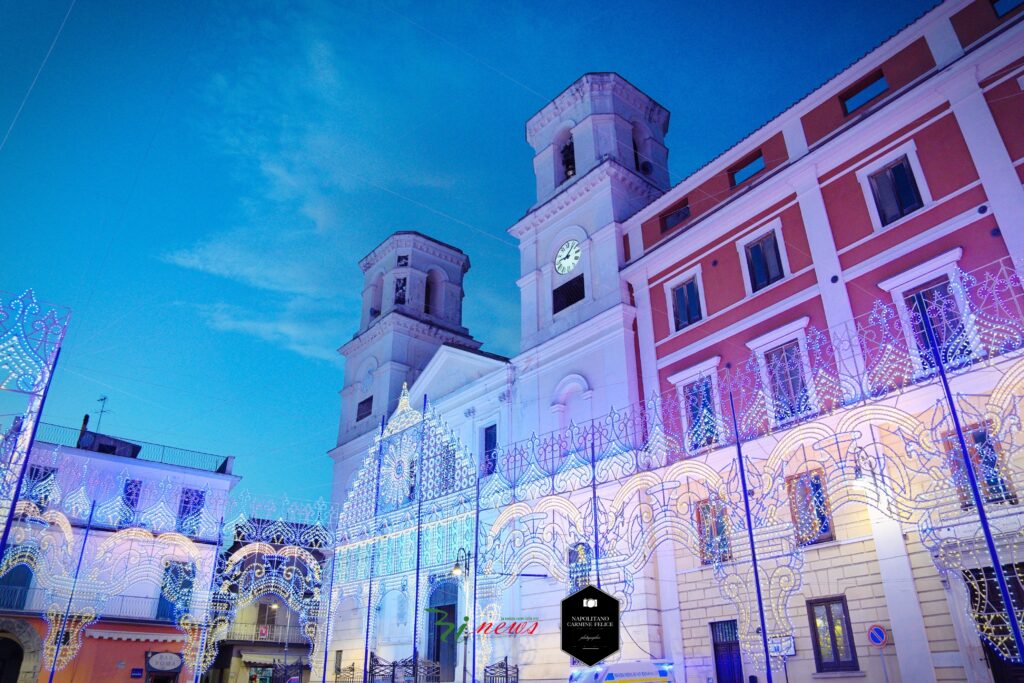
{"x": 463, "y": 556}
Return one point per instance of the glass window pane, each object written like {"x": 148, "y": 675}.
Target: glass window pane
{"x": 823, "y": 636}
{"x": 885, "y": 197}
{"x": 756, "y": 264}
{"x": 906, "y": 188}
{"x": 842, "y": 638}
{"x": 772, "y": 258}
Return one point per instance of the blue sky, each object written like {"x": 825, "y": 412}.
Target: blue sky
{"x": 197, "y": 180}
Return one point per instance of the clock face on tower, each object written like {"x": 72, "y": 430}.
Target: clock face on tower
{"x": 567, "y": 257}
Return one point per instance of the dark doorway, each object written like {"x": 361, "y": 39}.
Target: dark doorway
{"x": 1002, "y": 670}
{"x": 728, "y": 664}
{"x": 442, "y": 649}
{"x": 10, "y": 660}
{"x": 987, "y": 607}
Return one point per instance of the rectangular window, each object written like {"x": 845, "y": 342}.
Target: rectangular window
{"x": 764, "y": 262}
{"x": 490, "y": 461}
{"x": 40, "y": 484}
{"x": 701, "y": 420}
{"x": 832, "y": 635}
{"x": 1004, "y": 7}
{"x": 864, "y": 92}
{"x": 746, "y": 169}
{"x": 400, "y": 291}
{"x": 129, "y": 502}
{"x": 934, "y": 299}
{"x": 190, "y": 510}
{"x": 686, "y": 304}
{"x": 676, "y": 217}
{"x": 809, "y": 508}
{"x": 266, "y": 614}
{"x": 786, "y": 381}
{"x": 895, "y": 191}
{"x": 364, "y": 409}
{"x": 989, "y": 463}
{"x": 713, "y": 532}
{"x": 178, "y": 580}
{"x": 338, "y": 660}
{"x": 403, "y": 260}
{"x": 565, "y": 295}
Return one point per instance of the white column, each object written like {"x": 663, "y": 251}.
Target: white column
{"x": 943, "y": 42}
{"x": 645, "y": 333}
{"x": 988, "y": 151}
{"x": 913, "y": 653}
{"x": 834, "y": 297}
{"x": 671, "y": 614}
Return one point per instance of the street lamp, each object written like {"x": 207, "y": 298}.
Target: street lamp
{"x": 464, "y": 556}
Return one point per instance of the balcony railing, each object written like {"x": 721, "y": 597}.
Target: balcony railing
{"x": 142, "y": 607}
{"x": 266, "y": 633}
{"x": 152, "y": 452}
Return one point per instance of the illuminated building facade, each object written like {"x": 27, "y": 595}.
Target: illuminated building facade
{"x": 791, "y": 357}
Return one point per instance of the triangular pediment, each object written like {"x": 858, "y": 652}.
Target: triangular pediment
{"x": 452, "y": 368}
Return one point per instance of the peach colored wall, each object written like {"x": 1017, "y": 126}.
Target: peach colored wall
{"x": 977, "y": 19}
{"x": 715, "y": 190}
{"x": 899, "y": 70}
{"x": 98, "y": 659}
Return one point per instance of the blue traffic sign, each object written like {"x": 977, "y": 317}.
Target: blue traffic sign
{"x": 877, "y": 635}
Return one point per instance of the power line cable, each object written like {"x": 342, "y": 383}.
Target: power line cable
{"x": 35, "y": 79}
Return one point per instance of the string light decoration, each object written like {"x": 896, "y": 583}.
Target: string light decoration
{"x": 821, "y": 422}
{"x": 845, "y": 419}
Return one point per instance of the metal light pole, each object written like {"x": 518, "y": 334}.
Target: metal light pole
{"x": 972, "y": 480}
{"x": 71, "y": 598}
{"x": 750, "y": 538}
{"x": 373, "y": 551}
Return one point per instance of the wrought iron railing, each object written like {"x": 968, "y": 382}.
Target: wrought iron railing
{"x": 153, "y": 452}
{"x": 501, "y": 672}
{"x": 265, "y": 633}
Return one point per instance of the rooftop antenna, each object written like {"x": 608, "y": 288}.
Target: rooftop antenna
{"x": 102, "y": 400}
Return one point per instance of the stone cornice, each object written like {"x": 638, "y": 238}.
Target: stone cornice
{"x": 592, "y": 83}
{"x": 409, "y": 240}
{"x": 394, "y": 320}
{"x": 579, "y": 190}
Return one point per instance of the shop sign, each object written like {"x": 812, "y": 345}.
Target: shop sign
{"x": 164, "y": 661}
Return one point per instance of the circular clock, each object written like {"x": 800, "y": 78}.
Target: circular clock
{"x": 568, "y": 256}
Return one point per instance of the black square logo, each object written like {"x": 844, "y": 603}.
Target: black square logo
{"x": 590, "y": 625}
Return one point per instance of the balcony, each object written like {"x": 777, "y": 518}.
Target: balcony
{"x": 151, "y": 452}
{"x": 266, "y": 633}
{"x": 133, "y": 607}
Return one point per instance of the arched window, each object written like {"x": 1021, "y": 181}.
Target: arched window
{"x": 376, "y": 296}
{"x": 567, "y": 153}
{"x": 433, "y": 293}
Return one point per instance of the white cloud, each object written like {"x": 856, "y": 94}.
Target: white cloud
{"x": 310, "y": 338}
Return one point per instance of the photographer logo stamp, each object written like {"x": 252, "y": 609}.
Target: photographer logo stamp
{"x": 590, "y": 625}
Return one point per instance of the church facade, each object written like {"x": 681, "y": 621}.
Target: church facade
{"x": 767, "y": 408}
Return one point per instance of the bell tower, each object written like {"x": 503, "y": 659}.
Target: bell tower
{"x": 599, "y": 156}
{"x": 412, "y": 304}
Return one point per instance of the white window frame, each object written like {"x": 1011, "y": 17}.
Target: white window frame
{"x": 681, "y": 379}
{"x": 864, "y": 173}
{"x": 693, "y": 273}
{"x": 794, "y": 331}
{"x": 774, "y": 225}
{"x": 898, "y": 285}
